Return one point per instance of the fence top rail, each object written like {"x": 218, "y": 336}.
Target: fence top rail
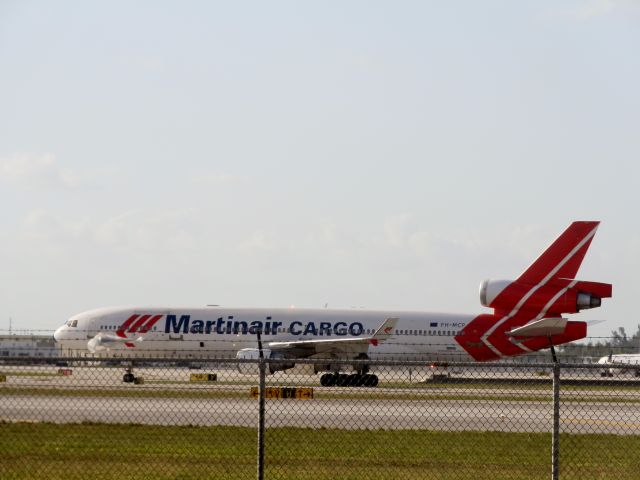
{"x": 185, "y": 362}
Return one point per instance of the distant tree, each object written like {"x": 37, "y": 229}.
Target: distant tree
{"x": 619, "y": 338}
{"x": 618, "y": 342}
{"x": 635, "y": 340}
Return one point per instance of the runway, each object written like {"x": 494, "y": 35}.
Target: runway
{"x": 442, "y": 415}
{"x": 99, "y": 395}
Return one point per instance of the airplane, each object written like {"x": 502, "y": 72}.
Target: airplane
{"x": 631, "y": 359}
{"x": 527, "y": 317}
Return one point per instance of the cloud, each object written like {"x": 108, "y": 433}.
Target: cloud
{"x": 595, "y": 8}
{"x": 396, "y": 229}
{"x": 592, "y": 9}
{"x": 216, "y": 178}
{"x": 131, "y": 232}
{"x": 163, "y": 231}
{"x": 259, "y": 241}
{"x": 37, "y": 171}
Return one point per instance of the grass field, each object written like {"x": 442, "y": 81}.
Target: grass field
{"x": 97, "y": 451}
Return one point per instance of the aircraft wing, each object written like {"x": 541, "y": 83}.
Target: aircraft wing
{"x": 335, "y": 346}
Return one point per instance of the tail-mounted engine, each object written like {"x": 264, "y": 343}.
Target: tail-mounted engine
{"x": 251, "y": 368}
{"x": 554, "y": 297}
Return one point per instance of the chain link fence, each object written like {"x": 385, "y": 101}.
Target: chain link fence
{"x": 104, "y": 419}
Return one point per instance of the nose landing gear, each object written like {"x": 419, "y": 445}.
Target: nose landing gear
{"x": 129, "y": 377}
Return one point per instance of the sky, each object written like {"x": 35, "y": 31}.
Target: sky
{"x": 365, "y": 154}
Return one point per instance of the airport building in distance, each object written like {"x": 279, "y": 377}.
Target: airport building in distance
{"x": 43, "y": 346}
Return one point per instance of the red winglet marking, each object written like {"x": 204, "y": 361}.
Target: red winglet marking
{"x": 129, "y": 344}
{"x": 373, "y": 342}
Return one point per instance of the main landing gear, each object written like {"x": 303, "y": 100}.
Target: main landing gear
{"x": 129, "y": 377}
{"x": 352, "y": 380}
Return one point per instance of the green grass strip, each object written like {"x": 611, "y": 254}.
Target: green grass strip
{"x": 99, "y": 451}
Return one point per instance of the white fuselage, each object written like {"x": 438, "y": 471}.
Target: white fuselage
{"x": 631, "y": 359}
{"x": 216, "y": 332}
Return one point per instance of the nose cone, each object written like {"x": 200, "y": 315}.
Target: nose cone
{"x": 58, "y": 335}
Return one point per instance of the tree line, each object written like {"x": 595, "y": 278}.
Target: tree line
{"x": 618, "y": 342}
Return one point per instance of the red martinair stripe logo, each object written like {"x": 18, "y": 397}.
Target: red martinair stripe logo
{"x": 137, "y": 324}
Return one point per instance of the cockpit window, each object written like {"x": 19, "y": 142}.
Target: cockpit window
{"x": 72, "y": 323}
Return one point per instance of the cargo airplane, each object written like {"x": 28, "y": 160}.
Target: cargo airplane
{"x": 619, "y": 360}
{"x": 527, "y": 317}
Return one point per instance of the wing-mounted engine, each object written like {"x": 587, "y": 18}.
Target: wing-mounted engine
{"x": 251, "y": 368}
{"x": 557, "y": 296}
{"x": 104, "y": 341}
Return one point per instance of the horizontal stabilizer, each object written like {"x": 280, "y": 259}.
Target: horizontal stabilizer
{"x": 543, "y": 327}
{"x": 591, "y": 323}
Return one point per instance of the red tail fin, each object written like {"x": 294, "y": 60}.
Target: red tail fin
{"x": 541, "y": 294}
{"x": 563, "y": 257}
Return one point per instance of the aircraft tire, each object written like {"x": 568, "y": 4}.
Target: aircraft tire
{"x": 353, "y": 380}
{"x": 128, "y": 378}
{"x": 342, "y": 380}
{"x": 371, "y": 380}
{"x": 327, "y": 380}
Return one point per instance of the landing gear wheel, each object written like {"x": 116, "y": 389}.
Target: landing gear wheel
{"x": 327, "y": 380}
{"x": 128, "y": 378}
{"x": 352, "y": 380}
{"x": 343, "y": 380}
{"x": 370, "y": 380}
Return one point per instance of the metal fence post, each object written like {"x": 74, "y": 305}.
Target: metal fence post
{"x": 555, "y": 435}
{"x": 262, "y": 366}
